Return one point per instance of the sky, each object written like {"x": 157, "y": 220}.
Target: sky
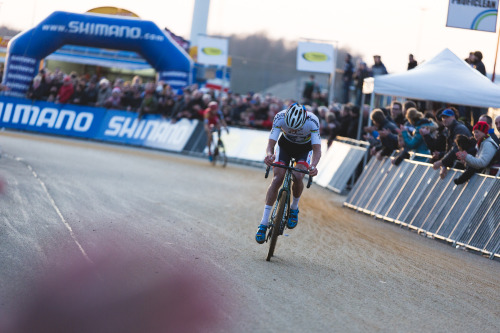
{"x": 390, "y": 28}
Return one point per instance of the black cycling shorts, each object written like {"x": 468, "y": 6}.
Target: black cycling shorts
{"x": 300, "y": 152}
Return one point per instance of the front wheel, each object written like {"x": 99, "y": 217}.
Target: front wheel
{"x": 276, "y": 225}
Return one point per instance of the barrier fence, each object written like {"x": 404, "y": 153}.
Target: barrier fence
{"x": 413, "y": 195}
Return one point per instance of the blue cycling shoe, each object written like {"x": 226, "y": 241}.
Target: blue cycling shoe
{"x": 293, "y": 219}
{"x": 260, "y": 237}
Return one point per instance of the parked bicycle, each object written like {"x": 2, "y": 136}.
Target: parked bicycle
{"x": 281, "y": 210}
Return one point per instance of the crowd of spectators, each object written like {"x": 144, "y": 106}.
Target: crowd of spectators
{"x": 410, "y": 129}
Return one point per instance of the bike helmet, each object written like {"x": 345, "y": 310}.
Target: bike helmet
{"x": 295, "y": 116}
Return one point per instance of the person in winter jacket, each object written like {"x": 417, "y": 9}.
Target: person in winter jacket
{"x": 66, "y": 91}
{"x": 412, "y": 139}
{"x": 454, "y": 127}
{"x": 485, "y": 146}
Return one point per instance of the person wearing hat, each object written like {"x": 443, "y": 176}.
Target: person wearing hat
{"x": 448, "y": 158}
{"x": 491, "y": 132}
{"x": 485, "y": 146}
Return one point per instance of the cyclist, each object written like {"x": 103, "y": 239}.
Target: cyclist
{"x": 300, "y": 140}
{"x": 213, "y": 119}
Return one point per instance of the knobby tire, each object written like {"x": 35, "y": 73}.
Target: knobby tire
{"x": 276, "y": 225}
{"x": 222, "y": 154}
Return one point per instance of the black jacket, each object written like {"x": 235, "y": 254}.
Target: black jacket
{"x": 455, "y": 129}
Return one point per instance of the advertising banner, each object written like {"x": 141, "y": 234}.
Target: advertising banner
{"x": 473, "y": 14}
{"x": 245, "y": 144}
{"x": 315, "y": 57}
{"x": 213, "y": 51}
{"x": 151, "y": 131}
{"x": 43, "y": 117}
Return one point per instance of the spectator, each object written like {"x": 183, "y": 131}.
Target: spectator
{"x": 149, "y": 103}
{"x": 491, "y": 132}
{"x": 470, "y": 59}
{"x": 497, "y": 123}
{"x": 332, "y": 128}
{"x": 79, "y": 93}
{"x": 90, "y": 93}
{"x": 165, "y": 105}
{"x": 267, "y": 122}
{"x": 467, "y": 145}
{"x": 448, "y": 157}
{"x": 354, "y": 113}
{"x": 114, "y": 101}
{"x": 52, "y": 96}
{"x": 412, "y": 63}
{"x": 407, "y": 105}
{"x": 309, "y": 87}
{"x": 37, "y": 89}
{"x": 103, "y": 93}
{"x": 347, "y": 78}
{"x": 486, "y": 149}
{"x": 435, "y": 138}
{"x": 66, "y": 91}
{"x": 345, "y": 120}
{"x": 378, "y": 68}
{"x": 362, "y": 72}
{"x": 478, "y": 62}
{"x": 412, "y": 139}
{"x": 397, "y": 116}
{"x": 132, "y": 98}
{"x": 382, "y": 136}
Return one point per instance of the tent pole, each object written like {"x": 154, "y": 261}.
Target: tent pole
{"x": 372, "y": 102}
{"x": 496, "y": 55}
{"x": 360, "y": 124}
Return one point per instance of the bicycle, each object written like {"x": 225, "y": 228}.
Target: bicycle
{"x": 281, "y": 211}
{"x": 219, "y": 151}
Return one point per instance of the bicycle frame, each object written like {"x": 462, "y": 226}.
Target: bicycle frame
{"x": 282, "y": 205}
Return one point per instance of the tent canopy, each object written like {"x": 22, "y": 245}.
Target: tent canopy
{"x": 445, "y": 78}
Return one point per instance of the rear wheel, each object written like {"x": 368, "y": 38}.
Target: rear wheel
{"x": 222, "y": 153}
{"x": 215, "y": 156}
{"x": 276, "y": 225}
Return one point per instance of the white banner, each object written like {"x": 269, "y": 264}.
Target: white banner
{"x": 473, "y": 14}
{"x": 212, "y": 51}
{"x": 315, "y": 57}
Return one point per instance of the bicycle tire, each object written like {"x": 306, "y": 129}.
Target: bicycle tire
{"x": 222, "y": 153}
{"x": 277, "y": 225}
{"x": 215, "y": 156}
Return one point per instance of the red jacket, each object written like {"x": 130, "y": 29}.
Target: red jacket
{"x": 65, "y": 93}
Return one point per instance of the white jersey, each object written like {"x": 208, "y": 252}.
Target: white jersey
{"x": 308, "y": 132}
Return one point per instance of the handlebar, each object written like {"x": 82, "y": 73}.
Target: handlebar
{"x": 309, "y": 182}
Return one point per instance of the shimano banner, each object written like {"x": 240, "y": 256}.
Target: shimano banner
{"x": 95, "y": 123}
{"x": 152, "y": 131}
{"x": 112, "y": 32}
{"x": 61, "y": 119}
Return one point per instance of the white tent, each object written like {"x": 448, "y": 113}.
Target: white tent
{"x": 445, "y": 78}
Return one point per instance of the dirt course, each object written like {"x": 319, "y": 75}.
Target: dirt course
{"x": 338, "y": 271}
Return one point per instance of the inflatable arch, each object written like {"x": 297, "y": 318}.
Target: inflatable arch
{"x": 26, "y": 50}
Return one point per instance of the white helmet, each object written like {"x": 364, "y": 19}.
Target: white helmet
{"x": 295, "y": 116}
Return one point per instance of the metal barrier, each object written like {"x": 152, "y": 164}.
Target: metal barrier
{"x": 340, "y": 163}
{"x": 413, "y": 195}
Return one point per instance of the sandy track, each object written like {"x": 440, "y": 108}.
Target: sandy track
{"x": 337, "y": 271}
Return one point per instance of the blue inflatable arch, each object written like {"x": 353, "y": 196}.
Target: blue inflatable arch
{"x": 26, "y": 50}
